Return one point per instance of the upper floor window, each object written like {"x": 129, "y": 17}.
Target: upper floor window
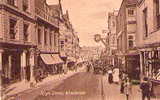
{"x": 113, "y": 23}
{"x": 62, "y": 44}
{"x": 55, "y": 39}
{"x": 12, "y": 2}
{"x": 50, "y": 38}
{"x": 130, "y": 42}
{"x": 25, "y": 5}
{"x": 45, "y": 37}
{"x": 39, "y": 36}
{"x": 25, "y": 31}
{"x": 130, "y": 12}
{"x": 157, "y": 9}
{"x": 145, "y": 22}
{"x": 12, "y": 31}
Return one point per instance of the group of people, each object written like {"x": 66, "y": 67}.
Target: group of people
{"x": 113, "y": 75}
{"x": 126, "y": 85}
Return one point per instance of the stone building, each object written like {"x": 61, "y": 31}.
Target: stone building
{"x": 17, "y": 40}
{"x": 29, "y": 40}
{"x": 47, "y": 41}
{"x": 69, "y": 41}
{"x": 148, "y": 40}
{"x": 126, "y": 30}
{"x": 112, "y": 37}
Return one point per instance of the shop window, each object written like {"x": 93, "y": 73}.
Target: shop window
{"x": 12, "y": 2}
{"x": 157, "y": 9}
{"x": 130, "y": 12}
{"x": 145, "y": 22}
{"x": 39, "y": 36}
{"x": 25, "y": 5}
{"x": 12, "y": 31}
{"x": 25, "y": 31}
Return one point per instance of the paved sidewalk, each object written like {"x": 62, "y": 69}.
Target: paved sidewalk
{"x": 112, "y": 91}
{"x": 25, "y": 86}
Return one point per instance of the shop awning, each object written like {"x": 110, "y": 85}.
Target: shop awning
{"x": 51, "y": 59}
{"x": 56, "y": 58}
{"x": 47, "y": 58}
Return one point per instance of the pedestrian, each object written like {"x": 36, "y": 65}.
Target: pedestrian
{"x": 127, "y": 88}
{"x": 122, "y": 83}
{"x": 146, "y": 88}
{"x": 110, "y": 76}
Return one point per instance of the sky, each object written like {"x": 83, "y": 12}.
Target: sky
{"x": 88, "y": 17}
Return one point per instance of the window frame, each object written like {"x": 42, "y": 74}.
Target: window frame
{"x": 145, "y": 24}
{"x": 12, "y": 29}
{"x": 39, "y": 36}
{"x": 25, "y": 4}
{"x": 12, "y": 2}
{"x": 129, "y": 12}
{"x": 25, "y": 32}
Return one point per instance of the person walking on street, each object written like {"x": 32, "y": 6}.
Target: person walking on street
{"x": 122, "y": 83}
{"x": 110, "y": 76}
{"x": 127, "y": 88}
{"x": 146, "y": 89}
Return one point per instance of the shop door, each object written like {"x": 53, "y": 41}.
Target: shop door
{"x": 28, "y": 70}
{"x": 15, "y": 67}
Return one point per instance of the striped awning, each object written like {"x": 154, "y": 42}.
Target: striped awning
{"x": 51, "y": 59}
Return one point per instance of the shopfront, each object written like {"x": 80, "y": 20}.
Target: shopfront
{"x": 16, "y": 65}
{"x": 71, "y": 63}
{"x": 49, "y": 64}
{"x": 133, "y": 66}
{"x": 150, "y": 65}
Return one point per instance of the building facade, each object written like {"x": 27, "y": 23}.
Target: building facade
{"x": 47, "y": 41}
{"x": 148, "y": 40}
{"x": 126, "y": 30}
{"x": 112, "y": 38}
{"x": 29, "y": 41}
{"x": 17, "y": 40}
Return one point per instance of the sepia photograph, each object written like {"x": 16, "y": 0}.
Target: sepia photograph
{"x": 79, "y": 50}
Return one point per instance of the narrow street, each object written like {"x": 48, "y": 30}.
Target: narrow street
{"x": 80, "y": 86}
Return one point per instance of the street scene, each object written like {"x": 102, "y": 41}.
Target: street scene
{"x": 79, "y": 50}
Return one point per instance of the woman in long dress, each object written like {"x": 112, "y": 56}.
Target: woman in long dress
{"x": 128, "y": 88}
{"x": 116, "y": 75}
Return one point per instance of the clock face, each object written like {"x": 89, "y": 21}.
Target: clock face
{"x": 97, "y": 37}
